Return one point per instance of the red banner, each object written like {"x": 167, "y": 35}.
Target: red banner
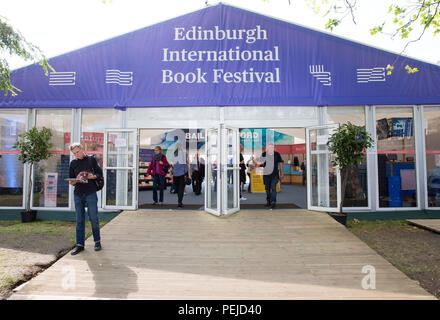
{"x": 87, "y": 137}
{"x": 299, "y": 148}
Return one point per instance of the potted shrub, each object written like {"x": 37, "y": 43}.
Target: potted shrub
{"x": 34, "y": 146}
{"x": 349, "y": 142}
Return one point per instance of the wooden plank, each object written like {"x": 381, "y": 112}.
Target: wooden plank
{"x": 255, "y": 254}
{"x": 429, "y": 224}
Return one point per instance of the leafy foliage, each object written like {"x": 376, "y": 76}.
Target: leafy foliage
{"x": 407, "y": 18}
{"x": 406, "y": 14}
{"x": 34, "y": 145}
{"x": 12, "y": 43}
{"x": 348, "y": 143}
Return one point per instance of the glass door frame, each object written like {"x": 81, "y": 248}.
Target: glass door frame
{"x": 235, "y": 140}
{"x": 222, "y": 169}
{"x": 309, "y": 154}
{"x": 208, "y": 172}
{"x": 134, "y": 169}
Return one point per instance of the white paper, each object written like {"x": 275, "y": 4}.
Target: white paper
{"x": 437, "y": 160}
{"x": 322, "y": 139}
{"x": 120, "y": 142}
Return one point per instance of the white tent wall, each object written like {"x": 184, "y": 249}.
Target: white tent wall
{"x": 248, "y": 117}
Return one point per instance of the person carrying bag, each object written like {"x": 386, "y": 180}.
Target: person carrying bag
{"x": 158, "y": 168}
{"x": 181, "y": 172}
{"x": 86, "y": 175}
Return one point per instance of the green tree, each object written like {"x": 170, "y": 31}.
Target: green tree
{"x": 34, "y": 146}
{"x": 349, "y": 143}
{"x": 405, "y": 16}
{"x": 404, "y": 19}
{"x": 12, "y": 43}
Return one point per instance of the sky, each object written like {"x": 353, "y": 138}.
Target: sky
{"x": 60, "y": 26}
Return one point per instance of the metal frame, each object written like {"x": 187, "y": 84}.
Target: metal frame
{"x": 25, "y": 167}
{"x": 208, "y": 173}
{"x": 78, "y": 138}
{"x": 222, "y": 171}
{"x": 423, "y": 152}
{"x": 418, "y": 169}
{"x": 134, "y": 168}
{"x": 370, "y": 114}
{"x": 370, "y": 155}
{"x": 235, "y": 169}
{"x": 309, "y": 153}
{"x": 73, "y": 129}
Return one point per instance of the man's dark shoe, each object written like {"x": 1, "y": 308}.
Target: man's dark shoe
{"x": 98, "y": 246}
{"x": 267, "y": 205}
{"x": 77, "y": 250}
{"x": 180, "y": 205}
{"x": 273, "y": 205}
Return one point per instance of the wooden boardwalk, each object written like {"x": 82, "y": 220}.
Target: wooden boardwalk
{"x": 254, "y": 254}
{"x": 430, "y": 224}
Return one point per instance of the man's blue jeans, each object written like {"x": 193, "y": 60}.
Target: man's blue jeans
{"x": 270, "y": 184}
{"x": 92, "y": 210}
{"x": 158, "y": 182}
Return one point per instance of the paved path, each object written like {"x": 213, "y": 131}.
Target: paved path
{"x": 430, "y": 224}
{"x": 279, "y": 254}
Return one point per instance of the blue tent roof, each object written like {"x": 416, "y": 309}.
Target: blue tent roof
{"x": 225, "y": 56}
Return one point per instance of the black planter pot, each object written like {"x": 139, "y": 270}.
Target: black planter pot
{"x": 28, "y": 216}
{"x": 341, "y": 218}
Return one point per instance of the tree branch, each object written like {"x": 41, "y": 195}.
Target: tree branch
{"x": 351, "y": 8}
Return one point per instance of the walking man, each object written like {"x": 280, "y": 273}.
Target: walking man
{"x": 271, "y": 175}
{"x": 198, "y": 173}
{"x": 85, "y": 169}
{"x": 242, "y": 173}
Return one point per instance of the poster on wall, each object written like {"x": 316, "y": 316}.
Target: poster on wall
{"x": 402, "y": 127}
{"x": 382, "y": 129}
{"x": 257, "y": 183}
{"x": 252, "y": 138}
{"x": 437, "y": 160}
{"x": 50, "y": 189}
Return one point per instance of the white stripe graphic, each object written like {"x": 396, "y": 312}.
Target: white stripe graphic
{"x": 119, "y": 77}
{"x": 318, "y": 72}
{"x": 370, "y": 75}
{"x": 62, "y": 78}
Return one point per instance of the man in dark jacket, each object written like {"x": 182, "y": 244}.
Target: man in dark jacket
{"x": 85, "y": 169}
{"x": 198, "y": 173}
{"x": 271, "y": 175}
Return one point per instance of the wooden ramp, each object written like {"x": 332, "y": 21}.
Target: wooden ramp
{"x": 254, "y": 254}
{"x": 430, "y": 224}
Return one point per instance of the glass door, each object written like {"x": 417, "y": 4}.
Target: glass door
{"x": 230, "y": 170}
{"x": 323, "y": 178}
{"x": 120, "y": 168}
{"x": 222, "y": 194}
{"x": 212, "y": 181}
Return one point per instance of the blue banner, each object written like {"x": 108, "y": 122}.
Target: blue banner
{"x": 225, "y": 56}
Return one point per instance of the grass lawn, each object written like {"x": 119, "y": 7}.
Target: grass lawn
{"x": 28, "y": 248}
{"x": 412, "y": 250}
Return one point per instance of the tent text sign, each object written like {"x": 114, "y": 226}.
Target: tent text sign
{"x": 236, "y": 53}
